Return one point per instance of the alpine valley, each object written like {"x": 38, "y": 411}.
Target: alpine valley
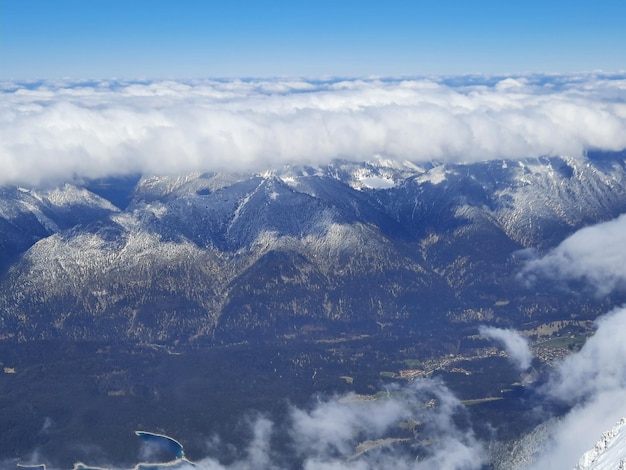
{"x": 184, "y": 304}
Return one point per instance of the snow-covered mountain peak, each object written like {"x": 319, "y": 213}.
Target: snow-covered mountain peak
{"x": 435, "y": 175}
{"x": 609, "y": 452}
{"x": 13, "y": 201}
{"x": 365, "y": 178}
{"x": 400, "y": 165}
{"x": 69, "y": 195}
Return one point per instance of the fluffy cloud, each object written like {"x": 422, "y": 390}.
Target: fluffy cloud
{"x": 328, "y": 435}
{"x": 600, "y": 366}
{"x": 514, "y": 344}
{"x": 60, "y": 130}
{"x": 593, "y": 254}
{"x": 357, "y": 432}
{"x": 593, "y": 381}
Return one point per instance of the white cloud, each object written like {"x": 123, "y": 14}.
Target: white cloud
{"x": 514, "y": 344}
{"x": 327, "y": 435}
{"x": 594, "y": 382}
{"x": 593, "y": 254}
{"x": 58, "y": 130}
{"x": 600, "y": 365}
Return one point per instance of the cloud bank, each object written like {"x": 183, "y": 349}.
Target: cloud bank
{"x": 592, "y": 381}
{"x": 353, "y": 432}
{"x": 594, "y": 254}
{"x": 600, "y": 366}
{"x": 515, "y": 345}
{"x": 58, "y": 130}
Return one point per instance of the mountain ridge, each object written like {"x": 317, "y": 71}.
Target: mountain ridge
{"x": 609, "y": 453}
{"x": 342, "y": 247}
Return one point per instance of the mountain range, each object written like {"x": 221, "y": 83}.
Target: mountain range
{"x": 348, "y": 248}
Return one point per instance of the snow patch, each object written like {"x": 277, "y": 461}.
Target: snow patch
{"x": 69, "y": 195}
{"x": 609, "y": 452}
{"x": 158, "y": 209}
{"x": 371, "y": 179}
{"x": 435, "y": 176}
{"x": 290, "y": 180}
{"x": 402, "y": 165}
{"x": 377, "y": 182}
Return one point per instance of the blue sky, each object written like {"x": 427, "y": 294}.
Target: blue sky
{"x": 235, "y": 38}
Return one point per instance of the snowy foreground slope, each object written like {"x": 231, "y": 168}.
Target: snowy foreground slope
{"x": 609, "y": 452}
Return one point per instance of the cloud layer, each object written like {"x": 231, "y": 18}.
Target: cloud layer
{"x": 355, "y": 432}
{"x": 358, "y": 432}
{"x": 514, "y": 344}
{"x": 60, "y": 130}
{"x": 593, "y": 254}
{"x": 600, "y": 366}
{"x": 593, "y": 381}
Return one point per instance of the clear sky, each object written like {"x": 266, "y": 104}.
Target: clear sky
{"x": 237, "y": 38}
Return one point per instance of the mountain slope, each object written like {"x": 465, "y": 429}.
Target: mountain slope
{"x": 609, "y": 452}
{"x": 345, "y": 248}
{"x": 28, "y": 215}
